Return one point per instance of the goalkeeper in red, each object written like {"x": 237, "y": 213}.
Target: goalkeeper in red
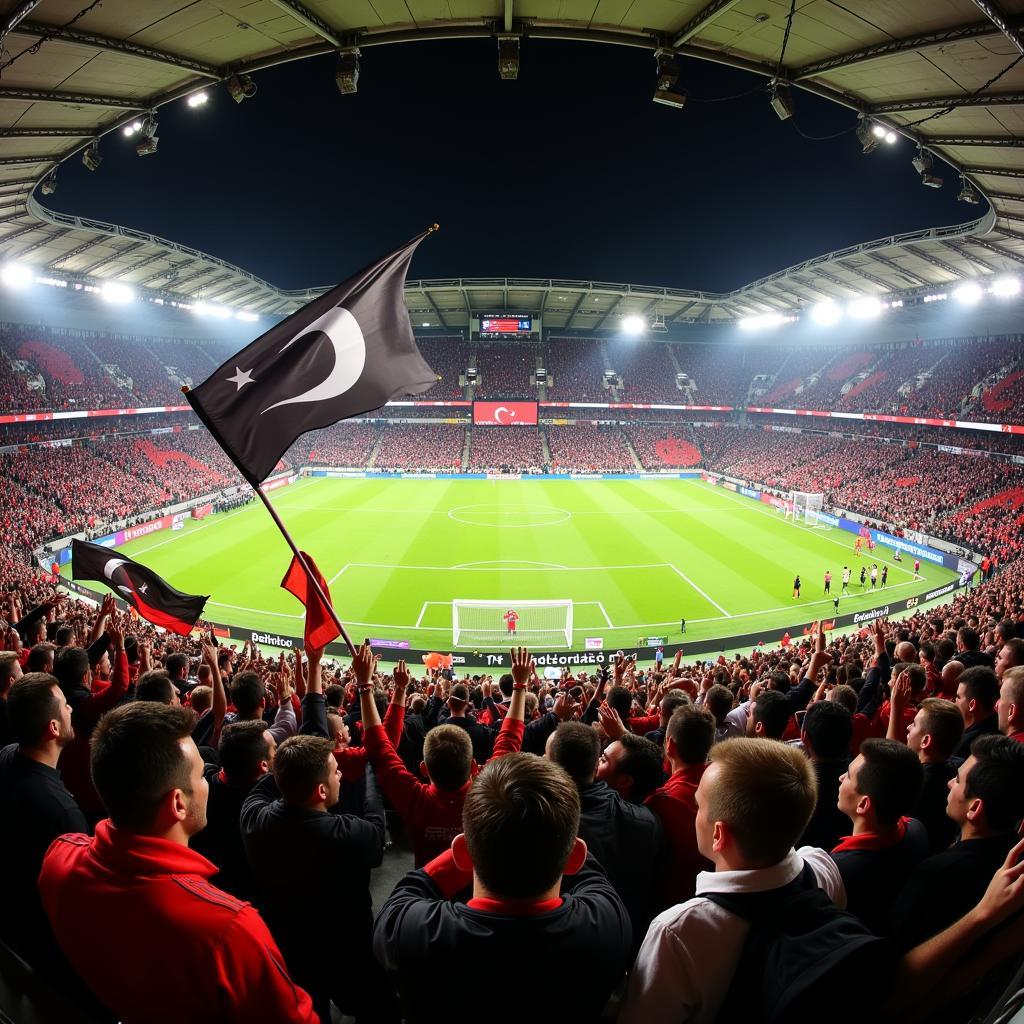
{"x": 511, "y": 617}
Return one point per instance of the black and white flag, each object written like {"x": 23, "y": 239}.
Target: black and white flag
{"x": 345, "y": 353}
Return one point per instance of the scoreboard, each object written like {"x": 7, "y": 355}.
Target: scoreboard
{"x": 506, "y": 325}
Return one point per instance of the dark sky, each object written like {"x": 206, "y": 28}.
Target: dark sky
{"x": 571, "y": 171}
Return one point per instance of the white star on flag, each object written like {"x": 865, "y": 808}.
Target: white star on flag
{"x": 241, "y": 378}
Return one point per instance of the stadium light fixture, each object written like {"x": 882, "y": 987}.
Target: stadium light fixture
{"x": 241, "y": 87}
{"x": 49, "y": 184}
{"x": 864, "y": 308}
{"x": 246, "y": 317}
{"x": 923, "y": 163}
{"x": 1006, "y": 287}
{"x": 130, "y": 129}
{"x": 149, "y": 138}
{"x": 826, "y": 313}
{"x": 91, "y": 157}
{"x": 871, "y": 134}
{"x": 968, "y": 293}
{"x": 967, "y": 193}
{"x": 113, "y": 291}
{"x": 508, "y": 57}
{"x": 667, "y": 90}
{"x": 16, "y": 275}
{"x": 347, "y": 75}
{"x": 197, "y": 99}
{"x": 425, "y": 324}
{"x": 634, "y": 325}
{"x": 208, "y": 309}
{"x": 781, "y": 100}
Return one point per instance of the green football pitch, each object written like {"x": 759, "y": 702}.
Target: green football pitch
{"x": 634, "y": 556}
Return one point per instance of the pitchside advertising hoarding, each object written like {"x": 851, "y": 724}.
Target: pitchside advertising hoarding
{"x": 505, "y": 414}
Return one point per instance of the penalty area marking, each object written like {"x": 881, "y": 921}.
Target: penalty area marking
{"x": 710, "y": 600}
{"x": 512, "y": 561}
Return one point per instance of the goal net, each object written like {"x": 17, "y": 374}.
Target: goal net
{"x": 806, "y": 508}
{"x": 532, "y": 623}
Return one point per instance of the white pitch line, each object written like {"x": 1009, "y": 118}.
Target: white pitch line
{"x": 605, "y": 614}
{"x": 468, "y": 567}
{"x": 706, "y": 597}
{"x": 423, "y": 611}
{"x": 742, "y": 502}
{"x": 347, "y": 565}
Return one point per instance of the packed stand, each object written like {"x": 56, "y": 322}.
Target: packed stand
{"x": 587, "y": 448}
{"x": 575, "y": 371}
{"x": 647, "y": 371}
{"x": 664, "y": 446}
{"x": 506, "y": 449}
{"x": 448, "y": 358}
{"x": 343, "y": 444}
{"x": 436, "y": 448}
{"x": 505, "y": 369}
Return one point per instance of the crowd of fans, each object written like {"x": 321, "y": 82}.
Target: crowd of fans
{"x": 436, "y": 448}
{"x": 505, "y": 369}
{"x": 503, "y": 450}
{"x": 587, "y": 448}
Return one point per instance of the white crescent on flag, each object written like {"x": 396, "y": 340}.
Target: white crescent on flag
{"x": 111, "y": 566}
{"x": 346, "y": 338}
{"x": 499, "y": 411}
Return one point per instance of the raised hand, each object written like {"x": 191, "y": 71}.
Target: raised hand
{"x": 564, "y": 707}
{"x": 364, "y": 664}
{"x": 522, "y": 666}
{"x": 610, "y": 721}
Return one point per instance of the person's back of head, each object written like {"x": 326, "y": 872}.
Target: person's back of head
{"x": 334, "y": 695}
{"x": 770, "y": 715}
{"x": 827, "y": 730}
{"x": 448, "y": 757}
{"x": 176, "y": 665}
{"x": 577, "y": 748}
{"x": 306, "y": 771}
{"x": 458, "y": 699}
{"x": 979, "y": 689}
{"x": 757, "y": 796}
{"x": 889, "y": 775}
{"x": 142, "y": 753}
{"x": 944, "y": 649}
{"x": 40, "y": 658}
{"x": 620, "y": 700}
{"x": 520, "y": 822}
{"x": 915, "y": 673}
{"x": 71, "y": 667}
{"x": 718, "y": 700}
{"x": 200, "y": 700}
{"x": 994, "y": 783}
{"x": 418, "y": 705}
{"x": 505, "y": 684}
{"x": 64, "y": 635}
{"x": 669, "y": 703}
{"x": 156, "y": 685}
{"x": 690, "y": 734}
{"x": 936, "y": 730}
{"x": 248, "y": 694}
{"x": 846, "y": 696}
{"x": 1006, "y": 629}
{"x": 967, "y": 639}
{"x": 780, "y": 681}
{"x": 35, "y": 711}
{"x": 246, "y": 751}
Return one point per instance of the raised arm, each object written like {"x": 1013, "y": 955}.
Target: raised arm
{"x": 220, "y": 698}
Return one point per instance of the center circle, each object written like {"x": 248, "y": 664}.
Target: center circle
{"x": 508, "y": 516}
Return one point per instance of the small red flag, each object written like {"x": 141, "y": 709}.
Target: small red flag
{"x": 321, "y": 628}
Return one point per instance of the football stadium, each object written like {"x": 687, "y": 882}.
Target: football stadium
{"x": 555, "y": 484}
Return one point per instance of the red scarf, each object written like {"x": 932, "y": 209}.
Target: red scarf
{"x": 872, "y": 840}
{"x": 514, "y": 908}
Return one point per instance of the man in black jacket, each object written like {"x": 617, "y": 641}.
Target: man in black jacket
{"x": 289, "y": 825}
{"x": 627, "y": 839}
{"x": 933, "y": 735}
{"x": 536, "y": 894}
{"x": 986, "y": 801}
{"x": 977, "y": 693}
{"x": 825, "y": 733}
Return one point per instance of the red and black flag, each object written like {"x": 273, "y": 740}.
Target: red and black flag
{"x": 153, "y": 598}
{"x": 321, "y": 628}
{"x": 345, "y": 353}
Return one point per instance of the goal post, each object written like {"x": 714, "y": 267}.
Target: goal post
{"x": 533, "y": 623}
{"x": 806, "y": 507}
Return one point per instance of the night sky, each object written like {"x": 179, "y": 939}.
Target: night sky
{"x": 570, "y": 172}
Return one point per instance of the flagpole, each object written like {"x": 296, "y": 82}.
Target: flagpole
{"x": 310, "y": 575}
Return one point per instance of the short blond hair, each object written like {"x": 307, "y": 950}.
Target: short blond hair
{"x": 1015, "y": 677}
{"x": 201, "y": 699}
{"x": 765, "y": 791}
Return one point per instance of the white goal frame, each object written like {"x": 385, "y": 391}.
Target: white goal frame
{"x": 806, "y": 507}
{"x": 467, "y": 633}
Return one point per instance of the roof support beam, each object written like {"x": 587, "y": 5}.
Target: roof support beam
{"x": 216, "y": 281}
{"x": 77, "y": 251}
{"x": 433, "y": 305}
{"x": 926, "y": 40}
{"x": 961, "y": 250}
{"x": 105, "y": 43}
{"x": 987, "y": 99}
{"x": 52, "y": 237}
{"x": 11, "y": 160}
{"x": 45, "y": 133}
{"x": 23, "y": 184}
{"x": 682, "y": 311}
{"x": 11, "y": 22}
{"x": 189, "y": 278}
{"x": 608, "y": 312}
{"x": 972, "y": 140}
{"x": 897, "y": 269}
{"x": 933, "y": 260}
{"x": 304, "y": 16}
{"x": 575, "y": 310}
{"x": 997, "y": 16}
{"x": 34, "y": 226}
{"x": 1008, "y": 197}
{"x": 701, "y": 20}
{"x": 996, "y": 172}
{"x": 110, "y": 257}
{"x": 868, "y": 276}
{"x": 71, "y": 99}
{"x": 508, "y": 14}
{"x": 999, "y": 250}
{"x": 168, "y": 273}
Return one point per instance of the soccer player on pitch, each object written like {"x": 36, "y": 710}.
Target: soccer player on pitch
{"x": 846, "y": 578}
{"x": 874, "y": 575}
{"x": 511, "y": 617}
{"x": 828, "y": 581}
{"x": 796, "y": 587}
{"x": 863, "y": 574}
{"x": 858, "y": 545}
{"x": 885, "y": 575}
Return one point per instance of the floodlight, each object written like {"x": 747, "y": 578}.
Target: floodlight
{"x": 968, "y": 293}
{"x": 890, "y": 137}
{"x": 922, "y": 163}
{"x": 16, "y": 275}
{"x": 197, "y": 99}
{"x": 871, "y": 134}
{"x": 508, "y": 57}
{"x": 667, "y": 90}
{"x": 149, "y": 141}
{"x": 241, "y": 87}
{"x": 782, "y": 101}
{"x": 753, "y": 323}
{"x": 633, "y": 325}
{"x": 878, "y": 131}
{"x": 864, "y": 308}
{"x": 424, "y": 324}
{"x": 91, "y": 157}
{"x": 826, "y": 313}
{"x": 208, "y": 309}
{"x": 246, "y": 317}
{"x": 347, "y": 75}
{"x": 1006, "y": 287}
{"x": 967, "y": 193}
{"x": 49, "y": 184}
{"x": 130, "y": 129}
{"x": 112, "y": 291}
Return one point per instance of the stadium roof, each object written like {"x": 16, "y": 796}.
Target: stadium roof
{"x": 943, "y": 73}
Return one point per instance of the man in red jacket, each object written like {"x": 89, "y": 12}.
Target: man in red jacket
{"x": 132, "y": 908}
